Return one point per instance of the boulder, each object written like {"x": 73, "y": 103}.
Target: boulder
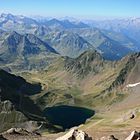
{"x": 132, "y": 116}
{"x": 75, "y": 134}
{"x": 112, "y": 137}
{"x": 133, "y": 136}
{"x": 6, "y": 106}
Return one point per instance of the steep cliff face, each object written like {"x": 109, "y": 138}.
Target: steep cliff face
{"x": 129, "y": 72}
{"x": 15, "y": 105}
{"x": 9, "y": 116}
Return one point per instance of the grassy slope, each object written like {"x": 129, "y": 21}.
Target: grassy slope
{"x": 61, "y": 86}
{"x": 70, "y": 89}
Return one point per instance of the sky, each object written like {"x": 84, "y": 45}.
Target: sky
{"x": 72, "y": 8}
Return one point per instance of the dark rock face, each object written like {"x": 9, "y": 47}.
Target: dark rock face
{"x": 112, "y": 137}
{"x": 15, "y": 106}
{"x": 2, "y": 138}
{"x": 17, "y": 83}
{"x": 134, "y": 136}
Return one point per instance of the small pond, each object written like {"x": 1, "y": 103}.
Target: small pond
{"x": 67, "y": 116}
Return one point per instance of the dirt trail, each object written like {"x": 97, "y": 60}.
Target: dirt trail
{"x": 94, "y": 124}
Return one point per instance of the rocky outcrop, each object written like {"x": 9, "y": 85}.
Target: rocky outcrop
{"x": 19, "y": 131}
{"x": 127, "y": 116}
{"x": 89, "y": 61}
{"x": 75, "y": 134}
{"x": 6, "y": 106}
{"x": 133, "y": 136}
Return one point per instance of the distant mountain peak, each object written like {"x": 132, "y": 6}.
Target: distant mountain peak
{"x": 88, "y": 61}
{"x": 16, "y": 46}
{"x": 7, "y": 15}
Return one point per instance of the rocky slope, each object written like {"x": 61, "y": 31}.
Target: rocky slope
{"x": 129, "y": 27}
{"x": 24, "y": 51}
{"x": 106, "y": 43}
{"x": 87, "y": 62}
{"x": 68, "y": 43}
{"x": 17, "y": 109}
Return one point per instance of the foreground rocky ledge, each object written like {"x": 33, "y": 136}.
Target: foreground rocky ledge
{"x": 19, "y": 131}
{"x": 76, "y": 134}
{"x": 18, "y": 134}
{"x": 73, "y": 134}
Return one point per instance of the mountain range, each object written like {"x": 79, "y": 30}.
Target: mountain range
{"x": 57, "y": 74}
{"x": 129, "y": 27}
{"x": 113, "y": 44}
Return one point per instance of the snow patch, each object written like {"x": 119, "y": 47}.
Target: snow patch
{"x": 133, "y": 85}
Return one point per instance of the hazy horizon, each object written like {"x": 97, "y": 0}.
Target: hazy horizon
{"x": 71, "y": 18}
{"x": 79, "y": 9}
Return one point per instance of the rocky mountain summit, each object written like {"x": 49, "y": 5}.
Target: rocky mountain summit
{"x": 75, "y": 134}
